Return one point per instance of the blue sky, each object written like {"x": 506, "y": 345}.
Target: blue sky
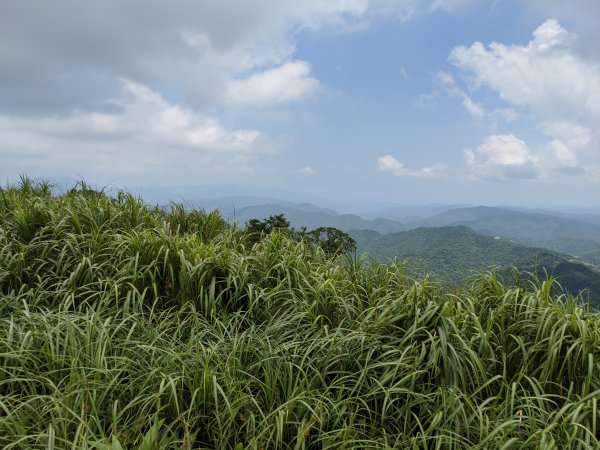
{"x": 365, "y": 101}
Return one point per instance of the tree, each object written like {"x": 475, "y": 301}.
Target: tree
{"x": 256, "y": 229}
{"x": 333, "y": 241}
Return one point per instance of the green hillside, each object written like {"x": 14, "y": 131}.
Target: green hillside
{"x": 125, "y": 326}
{"x": 573, "y": 237}
{"x": 456, "y": 253}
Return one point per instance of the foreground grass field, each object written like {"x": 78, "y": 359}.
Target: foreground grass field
{"x": 127, "y": 326}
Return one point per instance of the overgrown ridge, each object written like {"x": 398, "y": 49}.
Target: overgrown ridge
{"x": 128, "y": 326}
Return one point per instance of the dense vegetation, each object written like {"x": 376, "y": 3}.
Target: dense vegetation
{"x": 128, "y": 326}
{"x": 331, "y": 240}
{"x": 454, "y": 253}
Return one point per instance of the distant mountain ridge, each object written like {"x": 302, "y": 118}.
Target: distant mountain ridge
{"x": 311, "y": 216}
{"x": 588, "y": 217}
{"x": 580, "y": 238}
{"x": 411, "y": 213}
{"x": 455, "y": 253}
{"x": 572, "y": 234}
{"x": 565, "y": 235}
{"x": 459, "y": 242}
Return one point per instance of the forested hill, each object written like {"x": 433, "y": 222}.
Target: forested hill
{"x": 565, "y": 235}
{"x": 457, "y": 253}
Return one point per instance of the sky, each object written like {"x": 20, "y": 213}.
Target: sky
{"x": 364, "y": 101}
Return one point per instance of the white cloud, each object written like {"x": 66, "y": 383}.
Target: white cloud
{"x": 502, "y": 157}
{"x": 388, "y": 163}
{"x": 574, "y": 134}
{"x": 506, "y": 114}
{"x": 581, "y": 15}
{"x": 147, "y": 134}
{"x": 563, "y": 154}
{"x": 286, "y": 83}
{"x": 307, "y": 170}
{"x": 475, "y": 109}
{"x": 155, "y": 119}
{"x": 445, "y": 78}
{"x": 544, "y": 75}
{"x": 62, "y": 62}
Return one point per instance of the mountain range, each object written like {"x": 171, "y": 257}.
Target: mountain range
{"x": 455, "y": 242}
{"x": 576, "y": 234}
{"x": 566, "y": 235}
{"x": 455, "y": 253}
{"x": 311, "y": 216}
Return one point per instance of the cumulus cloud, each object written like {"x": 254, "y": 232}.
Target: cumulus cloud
{"x": 146, "y": 127}
{"x": 475, "y": 109}
{"x": 565, "y": 156}
{"x": 563, "y": 160}
{"x": 117, "y": 81}
{"x": 574, "y": 134}
{"x": 502, "y": 157}
{"x": 286, "y": 83}
{"x": 59, "y": 62}
{"x": 581, "y": 15}
{"x": 546, "y": 77}
{"x": 390, "y": 164}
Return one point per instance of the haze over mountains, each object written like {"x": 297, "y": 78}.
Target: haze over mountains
{"x": 566, "y": 235}
{"x": 574, "y": 234}
{"x": 454, "y": 242}
{"x": 311, "y": 216}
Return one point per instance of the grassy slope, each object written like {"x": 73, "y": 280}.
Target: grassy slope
{"x": 125, "y": 326}
{"x": 456, "y": 253}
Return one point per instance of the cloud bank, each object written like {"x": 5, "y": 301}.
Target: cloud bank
{"x": 502, "y": 157}
{"x": 146, "y": 136}
{"x": 548, "y": 79}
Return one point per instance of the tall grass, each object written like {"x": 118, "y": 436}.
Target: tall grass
{"x": 129, "y": 326}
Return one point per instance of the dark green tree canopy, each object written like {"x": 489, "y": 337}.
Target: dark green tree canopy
{"x": 256, "y": 229}
{"x": 331, "y": 240}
